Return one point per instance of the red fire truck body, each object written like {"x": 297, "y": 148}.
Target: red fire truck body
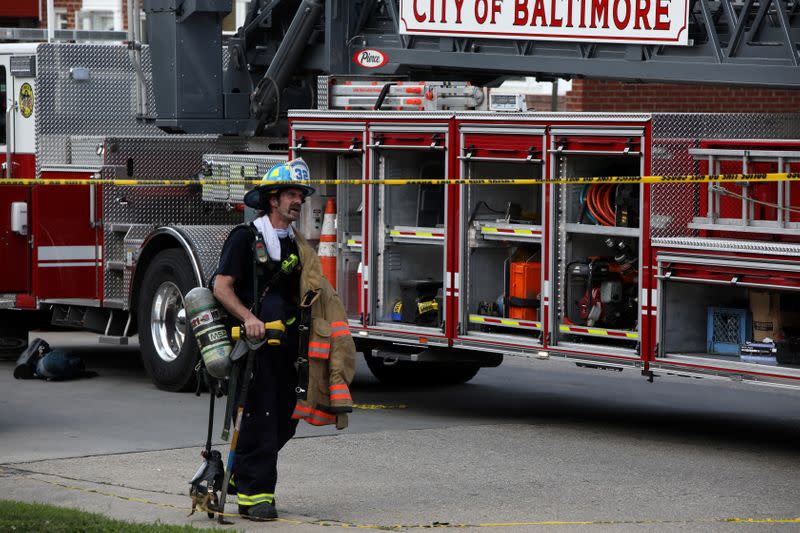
{"x": 692, "y": 272}
{"x": 671, "y": 278}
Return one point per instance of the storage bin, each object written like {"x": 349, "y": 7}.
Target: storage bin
{"x": 524, "y": 287}
{"x": 727, "y": 328}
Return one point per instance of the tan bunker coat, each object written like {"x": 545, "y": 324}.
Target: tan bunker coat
{"x": 331, "y": 350}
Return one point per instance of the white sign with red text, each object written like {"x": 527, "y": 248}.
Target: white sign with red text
{"x": 663, "y": 22}
{"x": 370, "y": 58}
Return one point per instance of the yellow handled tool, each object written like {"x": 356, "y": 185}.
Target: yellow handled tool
{"x": 275, "y": 331}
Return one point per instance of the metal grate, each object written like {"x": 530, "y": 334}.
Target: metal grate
{"x": 726, "y": 327}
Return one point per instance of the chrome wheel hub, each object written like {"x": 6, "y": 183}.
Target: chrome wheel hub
{"x": 168, "y": 321}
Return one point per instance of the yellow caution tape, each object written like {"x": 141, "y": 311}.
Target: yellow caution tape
{"x": 376, "y": 406}
{"x": 687, "y": 178}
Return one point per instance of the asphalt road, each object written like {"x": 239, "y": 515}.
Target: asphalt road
{"x": 531, "y": 444}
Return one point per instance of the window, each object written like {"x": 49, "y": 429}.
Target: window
{"x": 95, "y": 20}
{"x": 61, "y": 18}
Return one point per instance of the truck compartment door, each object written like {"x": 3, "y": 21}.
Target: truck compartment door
{"x": 598, "y": 252}
{"x": 67, "y": 243}
{"x": 408, "y": 264}
{"x": 14, "y": 199}
{"x": 336, "y": 151}
{"x": 501, "y": 253}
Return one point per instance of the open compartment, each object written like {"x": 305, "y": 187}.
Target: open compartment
{"x": 338, "y": 155}
{"x": 502, "y": 268}
{"x": 502, "y": 291}
{"x": 408, "y": 262}
{"x": 350, "y": 231}
{"x": 598, "y": 246}
{"x": 410, "y": 286}
{"x": 599, "y": 297}
{"x": 730, "y": 316}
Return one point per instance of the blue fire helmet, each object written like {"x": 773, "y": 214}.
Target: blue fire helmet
{"x": 289, "y": 175}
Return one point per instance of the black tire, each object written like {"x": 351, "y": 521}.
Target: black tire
{"x": 454, "y": 373}
{"x": 12, "y": 343}
{"x": 399, "y": 373}
{"x": 14, "y": 329}
{"x": 169, "y": 357}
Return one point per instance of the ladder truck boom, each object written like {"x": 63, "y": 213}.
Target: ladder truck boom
{"x": 273, "y": 58}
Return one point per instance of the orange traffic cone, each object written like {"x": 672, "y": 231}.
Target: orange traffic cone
{"x": 327, "y": 242}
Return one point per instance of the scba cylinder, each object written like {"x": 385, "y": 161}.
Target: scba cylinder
{"x": 205, "y": 316}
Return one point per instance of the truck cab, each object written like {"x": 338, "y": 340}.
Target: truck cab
{"x": 17, "y": 154}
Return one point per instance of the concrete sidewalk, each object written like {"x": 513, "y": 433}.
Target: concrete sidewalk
{"x": 507, "y": 477}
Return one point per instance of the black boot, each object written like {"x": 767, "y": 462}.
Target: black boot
{"x": 261, "y": 512}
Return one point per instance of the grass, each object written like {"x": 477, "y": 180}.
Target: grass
{"x": 35, "y": 517}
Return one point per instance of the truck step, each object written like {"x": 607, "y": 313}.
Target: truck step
{"x": 113, "y": 339}
{"x": 115, "y": 266}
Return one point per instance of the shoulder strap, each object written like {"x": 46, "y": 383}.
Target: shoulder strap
{"x": 236, "y": 228}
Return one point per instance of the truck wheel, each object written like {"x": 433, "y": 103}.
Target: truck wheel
{"x": 417, "y": 373}
{"x": 14, "y": 329}
{"x": 13, "y": 340}
{"x": 169, "y": 350}
{"x": 399, "y": 373}
{"x": 453, "y": 373}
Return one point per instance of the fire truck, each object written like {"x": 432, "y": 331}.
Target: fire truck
{"x": 440, "y": 276}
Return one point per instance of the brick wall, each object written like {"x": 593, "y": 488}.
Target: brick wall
{"x": 601, "y": 95}
{"x": 71, "y": 6}
{"x": 543, "y": 102}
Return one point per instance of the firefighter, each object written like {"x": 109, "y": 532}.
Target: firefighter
{"x": 269, "y": 275}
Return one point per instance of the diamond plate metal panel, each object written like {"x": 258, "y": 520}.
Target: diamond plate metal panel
{"x": 235, "y": 167}
{"x": 142, "y": 209}
{"x": 8, "y": 300}
{"x": 104, "y": 104}
{"x": 132, "y": 244}
{"x": 674, "y": 205}
{"x": 86, "y": 151}
{"x": 323, "y": 89}
{"x": 173, "y": 157}
{"x": 729, "y": 245}
{"x": 206, "y": 241}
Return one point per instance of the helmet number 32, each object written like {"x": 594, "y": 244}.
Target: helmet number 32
{"x": 300, "y": 173}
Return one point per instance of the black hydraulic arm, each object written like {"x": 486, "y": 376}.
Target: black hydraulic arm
{"x": 265, "y": 103}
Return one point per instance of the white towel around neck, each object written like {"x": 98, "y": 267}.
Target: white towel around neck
{"x": 271, "y": 236}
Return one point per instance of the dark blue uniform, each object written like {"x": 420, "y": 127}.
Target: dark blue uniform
{"x": 267, "y": 424}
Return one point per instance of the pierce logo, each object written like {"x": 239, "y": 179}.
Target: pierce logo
{"x": 370, "y": 58}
